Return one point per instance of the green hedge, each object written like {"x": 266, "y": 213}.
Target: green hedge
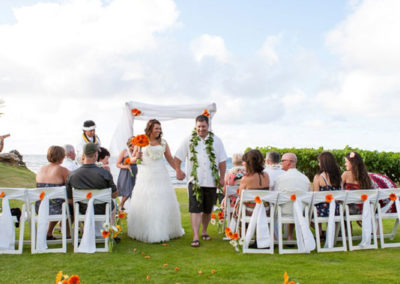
{"x": 387, "y": 163}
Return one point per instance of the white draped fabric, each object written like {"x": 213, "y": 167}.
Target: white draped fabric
{"x": 124, "y": 128}
{"x": 259, "y": 225}
{"x": 304, "y": 236}
{"x": 88, "y": 241}
{"x": 43, "y": 225}
{"x": 7, "y": 232}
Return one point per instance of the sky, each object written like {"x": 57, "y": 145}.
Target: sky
{"x": 282, "y": 73}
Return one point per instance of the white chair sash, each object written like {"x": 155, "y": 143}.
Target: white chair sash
{"x": 43, "y": 224}
{"x": 88, "y": 241}
{"x": 7, "y": 232}
{"x": 259, "y": 225}
{"x": 330, "y": 230}
{"x": 304, "y": 236}
{"x": 366, "y": 224}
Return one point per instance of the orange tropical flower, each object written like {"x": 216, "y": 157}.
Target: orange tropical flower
{"x": 41, "y": 196}
{"x": 293, "y": 197}
{"x": 285, "y": 278}
{"x": 213, "y": 271}
{"x": 176, "y": 268}
{"x": 227, "y": 230}
{"x": 105, "y": 233}
{"x": 237, "y": 191}
{"x": 393, "y": 196}
{"x": 65, "y": 282}
{"x": 127, "y": 161}
{"x": 59, "y": 276}
{"x": 257, "y": 199}
{"x": 364, "y": 197}
{"x": 122, "y": 215}
{"x": 328, "y": 198}
{"x": 220, "y": 215}
{"x": 165, "y": 264}
{"x": 236, "y": 236}
{"x": 213, "y": 216}
{"x": 136, "y": 112}
{"x": 2, "y": 194}
{"x": 141, "y": 140}
{"x": 206, "y": 113}
{"x": 89, "y": 195}
{"x": 143, "y": 253}
{"x": 230, "y": 235}
{"x": 292, "y": 282}
{"x": 74, "y": 279}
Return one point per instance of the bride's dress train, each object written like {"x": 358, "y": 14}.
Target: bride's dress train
{"x": 154, "y": 214}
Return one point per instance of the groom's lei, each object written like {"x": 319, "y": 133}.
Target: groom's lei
{"x": 194, "y": 141}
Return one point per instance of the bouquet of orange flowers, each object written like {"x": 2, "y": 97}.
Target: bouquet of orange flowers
{"x": 140, "y": 141}
{"x": 217, "y": 218}
{"x": 65, "y": 279}
{"x": 128, "y": 161}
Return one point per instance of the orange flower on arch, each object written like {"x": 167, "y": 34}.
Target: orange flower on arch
{"x": 328, "y": 198}
{"x": 206, "y": 113}
{"x": 293, "y": 197}
{"x": 41, "y": 196}
{"x": 213, "y": 216}
{"x": 89, "y": 195}
{"x": 136, "y": 112}
{"x": 105, "y": 234}
{"x": 257, "y": 199}
{"x": 235, "y": 236}
{"x": 220, "y": 215}
{"x": 74, "y": 279}
{"x": 393, "y": 196}
{"x": 2, "y": 194}
{"x": 364, "y": 197}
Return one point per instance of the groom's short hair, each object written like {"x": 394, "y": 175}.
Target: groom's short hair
{"x": 202, "y": 118}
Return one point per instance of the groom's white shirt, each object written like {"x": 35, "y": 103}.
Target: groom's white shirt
{"x": 204, "y": 172}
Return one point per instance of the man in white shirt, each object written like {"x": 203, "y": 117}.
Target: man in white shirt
{"x": 273, "y": 168}
{"x": 204, "y": 151}
{"x": 69, "y": 161}
{"x": 88, "y": 136}
{"x": 290, "y": 181}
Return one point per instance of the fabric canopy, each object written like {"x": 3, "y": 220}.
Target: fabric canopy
{"x": 124, "y": 128}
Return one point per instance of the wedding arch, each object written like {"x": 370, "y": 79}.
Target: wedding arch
{"x": 141, "y": 111}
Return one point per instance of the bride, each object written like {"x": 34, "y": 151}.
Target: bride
{"x": 154, "y": 214}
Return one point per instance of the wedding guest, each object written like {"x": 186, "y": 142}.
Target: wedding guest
{"x": 328, "y": 179}
{"x": 127, "y": 174}
{"x": 255, "y": 177}
{"x": 273, "y": 167}
{"x": 233, "y": 177}
{"x": 201, "y": 181}
{"x": 103, "y": 159}
{"x": 69, "y": 161}
{"x": 88, "y": 136}
{"x": 290, "y": 181}
{"x": 52, "y": 175}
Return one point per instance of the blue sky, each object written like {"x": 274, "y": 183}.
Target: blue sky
{"x": 285, "y": 73}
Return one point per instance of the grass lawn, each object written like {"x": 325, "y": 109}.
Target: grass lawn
{"x": 125, "y": 265}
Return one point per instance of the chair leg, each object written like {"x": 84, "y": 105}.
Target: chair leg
{"x": 316, "y": 226}
{"x": 280, "y": 239}
{"x": 380, "y": 225}
{"x": 33, "y": 230}
{"x": 76, "y": 228}
{"x": 393, "y": 234}
{"x": 349, "y": 234}
{"x": 343, "y": 228}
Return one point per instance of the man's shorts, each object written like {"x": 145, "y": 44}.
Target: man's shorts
{"x": 208, "y": 197}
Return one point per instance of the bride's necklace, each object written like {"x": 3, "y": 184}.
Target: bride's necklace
{"x": 194, "y": 141}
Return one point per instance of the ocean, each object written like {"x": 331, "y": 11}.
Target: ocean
{"x": 34, "y": 162}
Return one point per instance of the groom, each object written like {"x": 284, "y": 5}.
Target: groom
{"x": 206, "y": 164}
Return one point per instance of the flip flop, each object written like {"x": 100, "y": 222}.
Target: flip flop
{"x": 205, "y": 237}
{"x": 195, "y": 244}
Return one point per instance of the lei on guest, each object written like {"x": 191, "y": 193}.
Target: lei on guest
{"x": 86, "y": 139}
{"x": 194, "y": 141}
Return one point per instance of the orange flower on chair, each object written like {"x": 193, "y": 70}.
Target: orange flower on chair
{"x": 257, "y": 199}
{"x": 41, "y": 196}
{"x": 393, "y": 196}
{"x": 206, "y": 113}
{"x": 74, "y": 279}
{"x": 213, "y": 216}
{"x": 220, "y": 215}
{"x": 293, "y": 197}
{"x": 364, "y": 197}
{"x": 105, "y": 234}
{"x": 89, "y": 195}
{"x": 328, "y": 198}
{"x": 136, "y": 112}
{"x": 2, "y": 194}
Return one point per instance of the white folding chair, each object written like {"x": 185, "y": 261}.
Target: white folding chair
{"x": 251, "y": 224}
{"x": 383, "y": 213}
{"x": 14, "y": 194}
{"x": 305, "y": 241}
{"x": 334, "y": 222}
{"x": 99, "y": 196}
{"x": 39, "y": 223}
{"x": 231, "y": 190}
{"x": 367, "y": 217}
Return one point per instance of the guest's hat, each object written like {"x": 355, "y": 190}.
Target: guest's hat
{"x": 90, "y": 148}
{"x": 89, "y": 125}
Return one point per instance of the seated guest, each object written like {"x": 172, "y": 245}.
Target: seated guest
{"x": 233, "y": 177}
{"x": 103, "y": 159}
{"x": 382, "y": 181}
{"x": 70, "y": 155}
{"x": 273, "y": 167}
{"x": 90, "y": 176}
{"x": 290, "y": 181}
{"x": 328, "y": 179}
{"x": 255, "y": 177}
{"x": 52, "y": 175}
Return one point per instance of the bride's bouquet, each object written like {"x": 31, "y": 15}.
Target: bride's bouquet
{"x": 140, "y": 141}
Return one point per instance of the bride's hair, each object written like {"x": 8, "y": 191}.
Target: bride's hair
{"x": 150, "y": 126}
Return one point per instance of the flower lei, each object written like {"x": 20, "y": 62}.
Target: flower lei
{"x": 194, "y": 141}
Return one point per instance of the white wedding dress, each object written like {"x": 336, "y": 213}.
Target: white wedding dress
{"x": 154, "y": 214}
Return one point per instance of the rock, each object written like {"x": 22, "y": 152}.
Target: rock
{"x": 14, "y": 158}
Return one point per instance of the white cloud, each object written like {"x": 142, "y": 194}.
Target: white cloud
{"x": 209, "y": 46}
{"x": 268, "y": 50}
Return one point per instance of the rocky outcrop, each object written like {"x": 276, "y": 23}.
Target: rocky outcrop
{"x": 14, "y": 158}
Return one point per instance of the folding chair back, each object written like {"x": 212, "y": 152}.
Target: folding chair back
{"x": 366, "y": 199}
{"x": 8, "y": 221}
{"x": 260, "y": 222}
{"x": 99, "y": 196}
{"x": 393, "y": 195}
{"x": 42, "y": 218}
{"x": 333, "y": 200}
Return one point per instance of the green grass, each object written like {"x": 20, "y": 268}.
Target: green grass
{"x": 16, "y": 176}
{"x": 126, "y": 266}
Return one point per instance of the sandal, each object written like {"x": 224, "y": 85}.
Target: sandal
{"x": 205, "y": 237}
{"x": 50, "y": 238}
{"x": 195, "y": 244}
